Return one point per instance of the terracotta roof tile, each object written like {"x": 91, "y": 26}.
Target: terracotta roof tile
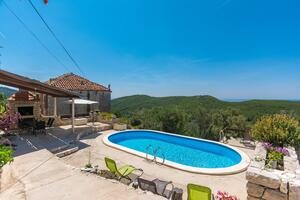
{"x": 73, "y": 82}
{"x": 23, "y": 96}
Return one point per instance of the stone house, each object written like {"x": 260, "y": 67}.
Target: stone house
{"x": 85, "y": 88}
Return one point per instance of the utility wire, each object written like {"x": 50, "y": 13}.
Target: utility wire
{"x": 35, "y": 36}
{"x": 56, "y": 38}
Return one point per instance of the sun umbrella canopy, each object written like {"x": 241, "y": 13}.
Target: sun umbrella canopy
{"x": 82, "y": 102}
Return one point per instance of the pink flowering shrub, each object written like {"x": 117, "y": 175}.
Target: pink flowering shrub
{"x": 225, "y": 196}
{"x": 269, "y": 147}
{"x": 8, "y": 119}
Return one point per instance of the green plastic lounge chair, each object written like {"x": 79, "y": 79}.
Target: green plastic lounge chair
{"x": 198, "y": 192}
{"x": 122, "y": 172}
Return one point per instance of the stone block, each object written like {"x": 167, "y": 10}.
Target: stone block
{"x": 120, "y": 127}
{"x": 252, "y": 198}
{"x": 292, "y": 152}
{"x": 260, "y": 151}
{"x": 284, "y": 186}
{"x": 258, "y": 164}
{"x": 294, "y": 189}
{"x": 255, "y": 190}
{"x": 270, "y": 179}
{"x": 270, "y": 194}
{"x": 290, "y": 164}
{"x": 80, "y": 121}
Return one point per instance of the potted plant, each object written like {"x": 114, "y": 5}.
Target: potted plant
{"x": 274, "y": 159}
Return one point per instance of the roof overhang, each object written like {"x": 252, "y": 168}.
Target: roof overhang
{"x": 21, "y": 82}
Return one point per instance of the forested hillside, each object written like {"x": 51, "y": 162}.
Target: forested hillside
{"x": 251, "y": 109}
{"x": 199, "y": 116}
{"x": 7, "y": 91}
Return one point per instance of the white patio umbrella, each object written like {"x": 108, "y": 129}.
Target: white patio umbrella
{"x": 78, "y": 102}
{"x": 82, "y": 102}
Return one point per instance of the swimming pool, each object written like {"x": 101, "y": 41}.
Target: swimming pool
{"x": 181, "y": 152}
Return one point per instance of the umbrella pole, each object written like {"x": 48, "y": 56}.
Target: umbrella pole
{"x": 55, "y": 107}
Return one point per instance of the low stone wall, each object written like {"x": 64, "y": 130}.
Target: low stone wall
{"x": 120, "y": 127}
{"x": 271, "y": 184}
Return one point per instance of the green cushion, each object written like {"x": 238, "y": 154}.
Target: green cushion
{"x": 122, "y": 171}
{"x": 126, "y": 170}
{"x": 111, "y": 165}
{"x": 198, "y": 192}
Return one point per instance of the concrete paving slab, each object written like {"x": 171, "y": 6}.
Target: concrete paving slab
{"x": 40, "y": 175}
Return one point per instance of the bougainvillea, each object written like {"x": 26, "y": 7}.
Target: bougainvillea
{"x": 8, "y": 120}
{"x": 225, "y": 196}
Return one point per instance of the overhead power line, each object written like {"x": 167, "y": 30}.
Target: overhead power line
{"x": 35, "y": 36}
{"x": 56, "y": 38}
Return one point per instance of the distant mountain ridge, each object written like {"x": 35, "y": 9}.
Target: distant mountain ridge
{"x": 251, "y": 108}
{"x": 7, "y": 91}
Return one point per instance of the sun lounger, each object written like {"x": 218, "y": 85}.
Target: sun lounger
{"x": 122, "y": 172}
{"x": 196, "y": 192}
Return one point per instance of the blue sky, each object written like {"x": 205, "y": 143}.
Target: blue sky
{"x": 225, "y": 48}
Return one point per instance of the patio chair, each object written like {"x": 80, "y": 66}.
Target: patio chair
{"x": 50, "y": 122}
{"x": 41, "y": 126}
{"x": 26, "y": 125}
{"x": 197, "y": 192}
{"x": 147, "y": 185}
{"x": 122, "y": 172}
{"x": 159, "y": 187}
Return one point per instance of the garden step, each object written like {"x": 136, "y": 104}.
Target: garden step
{"x": 67, "y": 151}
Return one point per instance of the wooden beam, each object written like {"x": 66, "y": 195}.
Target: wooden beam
{"x": 14, "y": 80}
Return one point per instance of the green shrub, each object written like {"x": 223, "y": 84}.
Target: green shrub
{"x": 106, "y": 116}
{"x": 123, "y": 120}
{"x": 135, "y": 122}
{"x": 5, "y": 155}
{"x": 2, "y": 104}
{"x": 278, "y": 129}
{"x": 2, "y": 109}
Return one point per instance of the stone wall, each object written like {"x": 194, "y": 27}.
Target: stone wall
{"x": 64, "y": 109}
{"x": 13, "y": 105}
{"x": 271, "y": 184}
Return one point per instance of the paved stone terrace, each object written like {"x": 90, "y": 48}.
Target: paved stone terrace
{"x": 38, "y": 174}
{"x": 235, "y": 184}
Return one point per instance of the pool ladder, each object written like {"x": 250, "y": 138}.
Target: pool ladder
{"x": 155, "y": 154}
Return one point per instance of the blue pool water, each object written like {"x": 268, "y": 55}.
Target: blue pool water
{"x": 185, "y": 151}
